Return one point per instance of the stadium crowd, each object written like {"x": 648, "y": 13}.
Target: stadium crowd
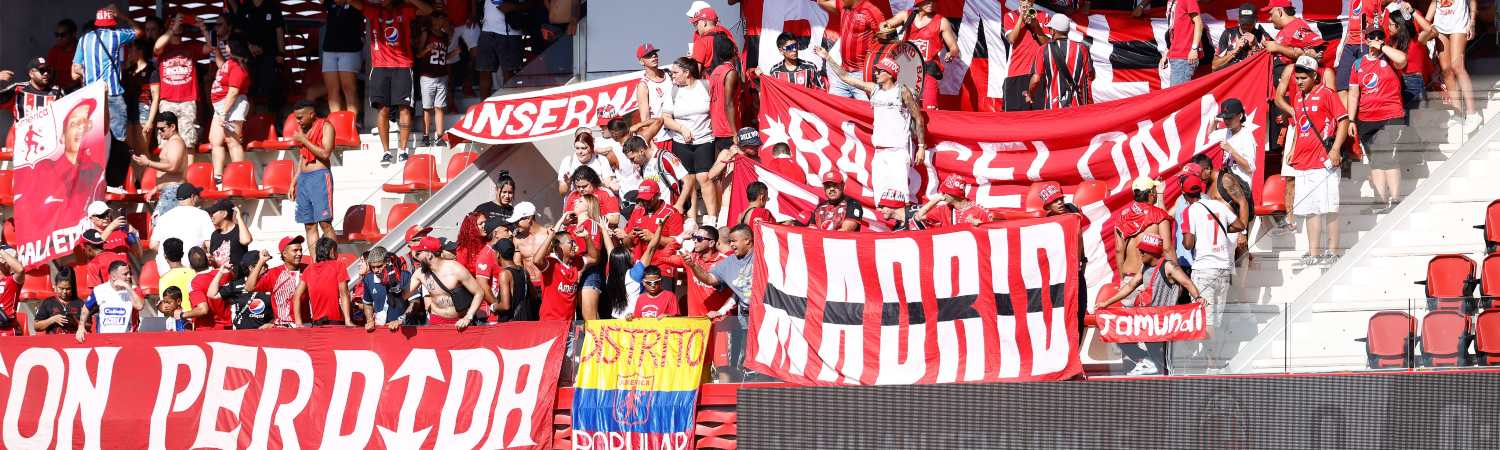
{"x": 640, "y": 234}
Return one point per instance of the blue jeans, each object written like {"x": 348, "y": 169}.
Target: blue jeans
{"x": 1179, "y": 71}
{"x": 837, "y": 86}
{"x": 116, "y": 116}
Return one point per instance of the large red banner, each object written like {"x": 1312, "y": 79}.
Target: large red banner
{"x": 1002, "y": 154}
{"x": 332, "y": 388}
{"x": 1152, "y": 324}
{"x": 533, "y": 116}
{"x": 61, "y": 151}
{"x": 991, "y": 303}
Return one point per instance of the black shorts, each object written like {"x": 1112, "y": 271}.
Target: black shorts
{"x": 1014, "y": 90}
{"x": 721, "y": 144}
{"x": 390, "y": 86}
{"x": 1381, "y": 157}
{"x": 697, "y": 158}
{"x": 496, "y": 52}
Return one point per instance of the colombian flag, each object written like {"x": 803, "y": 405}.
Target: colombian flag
{"x": 637, "y": 383}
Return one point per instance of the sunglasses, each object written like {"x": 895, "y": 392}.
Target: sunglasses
{"x": 651, "y": 282}
{"x": 789, "y": 48}
{"x": 701, "y": 238}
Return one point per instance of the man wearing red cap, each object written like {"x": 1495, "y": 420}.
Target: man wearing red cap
{"x": 1208, "y": 231}
{"x": 951, "y": 207}
{"x": 859, "y": 21}
{"x": 448, "y": 290}
{"x": 652, "y": 97}
{"x": 1141, "y": 216}
{"x": 836, "y": 212}
{"x": 708, "y": 34}
{"x": 652, "y": 216}
{"x": 1158, "y": 285}
{"x": 280, "y": 281}
{"x": 897, "y": 120}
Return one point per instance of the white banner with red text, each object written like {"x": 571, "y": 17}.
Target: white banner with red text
{"x": 991, "y": 303}
{"x": 1152, "y": 324}
{"x": 60, "y": 154}
{"x": 1002, "y": 154}
{"x": 485, "y": 387}
{"x": 533, "y": 116}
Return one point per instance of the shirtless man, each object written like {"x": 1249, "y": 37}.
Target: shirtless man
{"x": 1141, "y": 216}
{"x": 312, "y": 189}
{"x": 529, "y": 236}
{"x": 171, "y": 168}
{"x": 444, "y": 286}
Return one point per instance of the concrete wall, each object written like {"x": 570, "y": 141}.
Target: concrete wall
{"x": 616, "y": 27}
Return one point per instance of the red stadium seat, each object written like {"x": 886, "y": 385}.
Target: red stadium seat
{"x": 239, "y": 181}
{"x": 346, "y": 259}
{"x": 148, "y": 184}
{"x": 1388, "y": 340}
{"x": 359, "y": 225}
{"x": 419, "y": 174}
{"x": 1491, "y": 227}
{"x": 345, "y": 133}
{"x": 1272, "y": 198}
{"x": 1090, "y": 191}
{"x": 398, "y": 214}
{"x": 456, "y": 165}
{"x": 1450, "y": 283}
{"x": 1033, "y": 201}
{"x": 150, "y": 278}
{"x": 1487, "y": 338}
{"x": 131, "y": 194}
{"x": 1445, "y": 339}
{"x": 260, "y": 131}
{"x": 141, "y": 221}
{"x": 201, "y": 175}
{"x": 1489, "y": 281}
{"x": 9, "y": 150}
{"x": 278, "y": 177}
{"x": 38, "y": 284}
{"x": 7, "y": 188}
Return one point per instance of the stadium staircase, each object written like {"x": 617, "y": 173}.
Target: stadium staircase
{"x": 1283, "y": 317}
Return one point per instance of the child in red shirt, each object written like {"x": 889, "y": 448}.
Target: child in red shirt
{"x": 654, "y": 302}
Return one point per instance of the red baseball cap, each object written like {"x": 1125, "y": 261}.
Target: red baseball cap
{"x": 416, "y": 232}
{"x": 1150, "y": 244}
{"x": 1277, "y": 4}
{"x": 1050, "y": 193}
{"x": 289, "y": 240}
{"x": 1192, "y": 185}
{"x": 427, "y": 244}
{"x": 954, "y": 185}
{"x": 105, "y": 17}
{"x": 888, "y": 65}
{"x": 891, "y": 202}
{"x": 647, "y": 191}
{"x": 700, "y": 10}
{"x": 645, "y": 49}
{"x": 833, "y": 176}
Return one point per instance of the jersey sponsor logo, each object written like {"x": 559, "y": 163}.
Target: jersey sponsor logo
{"x": 1370, "y": 80}
{"x": 1305, "y": 127}
{"x": 112, "y": 316}
{"x": 256, "y": 307}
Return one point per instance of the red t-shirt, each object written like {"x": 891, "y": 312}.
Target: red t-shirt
{"x": 1361, "y": 16}
{"x": 1297, "y": 34}
{"x": 608, "y": 203}
{"x": 584, "y": 233}
{"x": 10, "y": 294}
{"x": 281, "y": 283}
{"x": 1379, "y": 90}
{"x": 947, "y": 216}
{"x": 755, "y": 216}
{"x": 179, "y": 72}
{"x": 218, "y": 314}
{"x": 663, "y": 304}
{"x": 1321, "y": 108}
{"x": 857, "y": 28}
{"x": 671, "y": 222}
{"x": 324, "y": 281}
{"x": 703, "y": 298}
{"x": 484, "y": 264}
{"x": 1182, "y": 28}
{"x": 458, "y": 12}
{"x": 231, "y": 74}
{"x": 703, "y": 45}
{"x": 1136, "y": 217}
{"x": 559, "y": 289}
{"x": 717, "y": 119}
{"x": 390, "y": 35}
{"x": 1027, "y": 50}
{"x": 96, "y": 272}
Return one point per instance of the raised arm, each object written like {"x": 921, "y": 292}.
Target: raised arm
{"x": 838, "y": 70}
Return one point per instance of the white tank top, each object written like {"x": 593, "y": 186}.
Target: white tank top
{"x": 1452, "y": 16}
{"x": 657, "y": 94}
{"x": 892, "y": 126}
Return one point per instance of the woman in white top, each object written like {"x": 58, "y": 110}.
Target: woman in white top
{"x": 585, "y": 155}
{"x": 655, "y": 91}
{"x": 1454, "y": 22}
{"x": 686, "y": 118}
{"x": 892, "y": 131}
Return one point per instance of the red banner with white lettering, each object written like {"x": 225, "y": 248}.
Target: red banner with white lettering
{"x": 60, "y": 154}
{"x": 485, "y": 387}
{"x": 991, "y": 303}
{"x": 1003, "y": 154}
{"x": 533, "y": 116}
{"x": 1152, "y": 324}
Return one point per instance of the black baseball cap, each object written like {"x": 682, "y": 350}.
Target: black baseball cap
{"x": 1231, "y": 108}
{"x": 186, "y": 191}
{"x": 93, "y": 237}
{"x": 1247, "y": 9}
{"x": 39, "y": 63}
{"x": 221, "y": 205}
{"x": 250, "y": 259}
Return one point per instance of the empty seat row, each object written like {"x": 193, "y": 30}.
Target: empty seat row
{"x": 1491, "y": 227}
{"x": 260, "y": 133}
{"x": 1451, "y": 280}
{"x": 419, "y": 173}
{"x": 1391, "y": 340}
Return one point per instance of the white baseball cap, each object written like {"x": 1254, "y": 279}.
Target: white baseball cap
{"x": 1060, "y": 22}
{"x": 522, "y": 211}
{"x": 1307, "y": 63}
{"x": 97, "y": 208}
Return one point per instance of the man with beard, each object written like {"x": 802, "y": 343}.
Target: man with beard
{"x": 836, "y": 212}
{"x": 446, "y": 288}
{"x": 29, "y": 96}
{"x": 280, "y": 281}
